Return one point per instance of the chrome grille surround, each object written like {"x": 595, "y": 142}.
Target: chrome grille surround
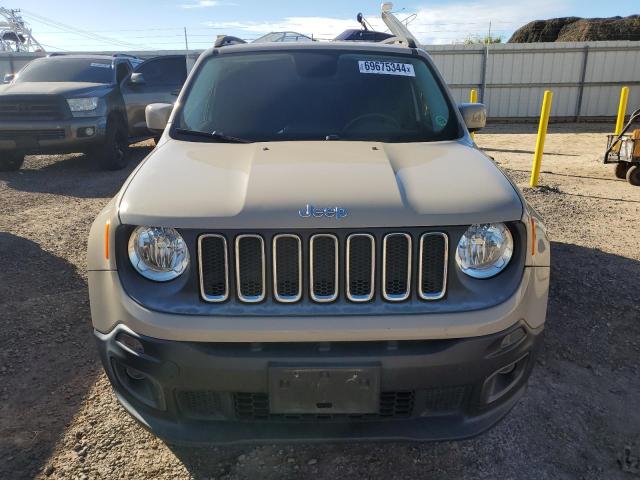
{"x": 239, "y": 286}
{"x": 284, "y": 267}
{"x": 333, "y": 296}
{"x": 421, "y": 272}
{"x": 277, "y": 295}
{"x": 350, "y": 295}
{"x": 395, "y": 297}
{"x": 205, "y": 296}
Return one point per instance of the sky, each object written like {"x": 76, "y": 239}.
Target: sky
{"x": 94, "y": 25}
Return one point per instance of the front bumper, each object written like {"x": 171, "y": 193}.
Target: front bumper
{"x": 52, "y": 136}
{"x": 195, "y": 392}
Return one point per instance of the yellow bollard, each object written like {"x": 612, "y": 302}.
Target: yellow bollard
{"x": 622, "y": 109}
{"x": 542, "y": 134}
{"x": 473, "y": 98}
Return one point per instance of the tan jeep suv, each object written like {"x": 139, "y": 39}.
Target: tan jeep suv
{"x": 317, "y": 250}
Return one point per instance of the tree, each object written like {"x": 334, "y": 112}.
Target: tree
{"x": 482, "y": 41}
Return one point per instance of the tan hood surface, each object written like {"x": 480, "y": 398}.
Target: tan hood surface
{"x": 264, "y": 185}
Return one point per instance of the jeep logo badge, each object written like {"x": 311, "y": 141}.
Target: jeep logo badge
{"x": 329, "y": 212}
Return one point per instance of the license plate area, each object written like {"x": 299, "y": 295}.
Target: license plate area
{"x": 324, "y": 390}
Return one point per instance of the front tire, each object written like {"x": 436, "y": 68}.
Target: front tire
{"x": 633, "y": 175}
{"x": 11, "y": 161}
{"x": 621, "y": 170}
{"x": 114, "y": 153}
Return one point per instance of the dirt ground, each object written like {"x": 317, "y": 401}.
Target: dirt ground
{"x": 579, "y": 419}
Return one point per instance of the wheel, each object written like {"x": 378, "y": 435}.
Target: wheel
{"x": 114, "y": 153}
{"x": 621, "y": 170}
{"x": 10, "y": 161}
{"x": 633, "y": 175}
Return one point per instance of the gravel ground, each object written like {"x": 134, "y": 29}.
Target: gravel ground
{"x": 579, "y": 418}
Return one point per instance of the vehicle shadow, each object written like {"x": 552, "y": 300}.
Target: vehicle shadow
{"x": 528, "y": 152}
{"x": 572, "y": 417}
{"x": 47, "y": 358}
{"x": 72, "y": 175}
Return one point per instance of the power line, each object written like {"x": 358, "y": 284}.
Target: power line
{"x": 77, "y": 31}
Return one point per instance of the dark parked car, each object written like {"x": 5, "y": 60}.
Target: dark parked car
{"x": 359, "y": 35}
{"x": 84, "y": 103}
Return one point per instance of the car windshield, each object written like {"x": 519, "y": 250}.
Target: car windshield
{"x": 303, "y": 95}
{"x": 60, "y": 69}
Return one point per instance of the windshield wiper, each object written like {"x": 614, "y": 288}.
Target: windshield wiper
{"x": 213, "y": 136}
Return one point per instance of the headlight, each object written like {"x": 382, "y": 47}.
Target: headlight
{"x": 83, "y": 104}
{"x": 484, "y": 250}
{"x": 158, "y": 253}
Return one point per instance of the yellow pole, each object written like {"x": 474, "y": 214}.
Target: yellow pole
{"x": 542, "y": 134}
{"x": 473, "y": 98}
{"x": 622, "y": 109}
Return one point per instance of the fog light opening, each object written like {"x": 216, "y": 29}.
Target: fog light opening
{"x": 504, "y": 380}
{"x": 139, "y": 385}
{"x": 134, "y": 374}
{"x": 130, "y": 343}
{"x": 85, "y": 132}
{"x": 512, "y": 338}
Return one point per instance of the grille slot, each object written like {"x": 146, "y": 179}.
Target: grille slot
{"x": 255, "y": 406}
{"x": 445, "y": 399}
{"x": 361, "y": 260}
{"x": 396, "y": 267}
{"x": 324, "y": 268}
{"x": 214, "y": 268}
{"x": 397, "y": 404}
{"x": 250, "y": 268}
{"x": 287, "y": 268}
{"x": 200, "y": 404}
{"x": 52, "y": 134}
{"x": 433, "y": 259}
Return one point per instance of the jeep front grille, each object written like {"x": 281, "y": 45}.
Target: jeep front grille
{"x": 323, "y": 267}
{"x": 287, "y": 268}
{"x": 250, "y": 268}
{"x": 31, "y": 107}
{"x": 361, "y": 265}
{"x": 396, "y": 267}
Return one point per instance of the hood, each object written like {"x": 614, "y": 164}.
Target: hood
{"x": 265, "y": 185}
{"x": 53, "y": 88}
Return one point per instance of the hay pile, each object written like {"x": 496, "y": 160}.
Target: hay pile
{"x": 575, "y": 29}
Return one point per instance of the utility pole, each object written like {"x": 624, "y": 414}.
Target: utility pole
{"x": 186, "y": 40}
{"x": 489, "y": 36}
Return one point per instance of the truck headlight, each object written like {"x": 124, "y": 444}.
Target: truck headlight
{"x": 484, "y": 250}
{"x": 158, "y": 253}
{"x": 82, "y": 104}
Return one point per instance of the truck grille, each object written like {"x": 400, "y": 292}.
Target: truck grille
{"x": 324, "y": 266}
{"x": 31, "y": 108}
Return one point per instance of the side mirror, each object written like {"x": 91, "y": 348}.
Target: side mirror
{"x": 157, "y": 116}
{"x": 8, "y": 78}
{"x": 474, "y": 115}
{"x": 137, "y": 79}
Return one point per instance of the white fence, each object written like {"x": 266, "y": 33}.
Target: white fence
{"x": 585, "y": 77}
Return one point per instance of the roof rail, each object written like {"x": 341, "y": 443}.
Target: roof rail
{"x": 225, "y": 40}
{"x": 124, "y": 55}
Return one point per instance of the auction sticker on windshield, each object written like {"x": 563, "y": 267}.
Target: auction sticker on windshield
{"x": 386, "y": 68}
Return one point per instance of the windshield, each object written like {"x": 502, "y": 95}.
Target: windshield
{"x": 303, "y": 95}
{"x": 59, "y": 69}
